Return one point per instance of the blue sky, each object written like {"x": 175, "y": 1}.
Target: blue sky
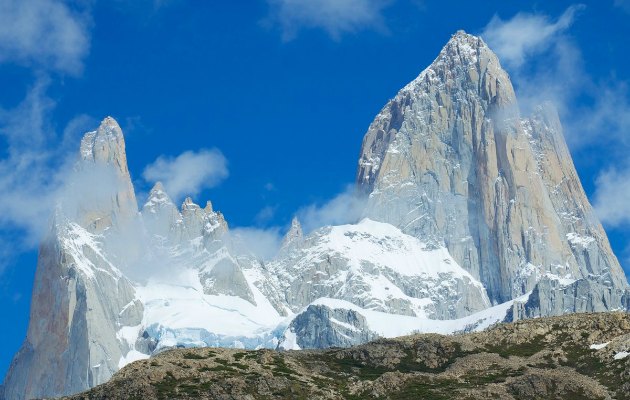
{"x": 275, "y": 96}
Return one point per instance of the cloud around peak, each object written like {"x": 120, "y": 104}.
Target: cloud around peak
{"x": 526, "y": 34}
{"x": 189, "y": 173}
{"x": 547, "y": 64}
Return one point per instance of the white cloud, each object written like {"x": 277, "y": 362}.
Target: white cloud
{"x": 546, "y": 65}
{"x": 333, "y": 16}
{"x": 32, "y": 170}
{"x": 346, "y": 207}
{"x": 263, "y": 243}
{"x": 525, "y": 34}
{"x": 189, "y": 173}
{"x": 606, "y": 121}
{"x": 45, "y": 34}
{"x": 611, "y": 196}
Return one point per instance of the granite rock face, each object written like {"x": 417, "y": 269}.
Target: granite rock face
{"x": 79, "y": 298}
{"x": 551, "y": 298}
{"x": 104, "y": 160}
{"x": 451, "y": 161}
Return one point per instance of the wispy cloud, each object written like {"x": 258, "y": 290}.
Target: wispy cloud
{"x": 535, "y": 49}
{"x": 346, "y": 207}
{"x": 32, "y": 170}
{"x": 263, "y": 243}
{"x": 604, "y": 122}
{"x": 524, "y": 35}
{"x": 612, "y": 191}
{"x": 336, "y": 17}
{"x": 45, "y": 34}
{"x": 188, "y": 173}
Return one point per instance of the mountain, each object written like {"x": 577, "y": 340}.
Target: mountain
{"x": 579, "y": 356}
{"x": 451, "y": 161}
{"x": 474, "y": 215}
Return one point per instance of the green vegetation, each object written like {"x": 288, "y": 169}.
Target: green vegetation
{"x": 166, "y": 387}
{"x": 194, "y": 356}
{"x": 426, "y": 389}
{"x": 199, "y": 355}
{"x": 526, "y": 349}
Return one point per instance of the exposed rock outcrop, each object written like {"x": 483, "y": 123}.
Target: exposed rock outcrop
{"x": 321, "y": 327}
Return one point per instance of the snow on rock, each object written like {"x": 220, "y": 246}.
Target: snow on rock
{"x": 391, "y": 325}
{"x": 376, "y": 266}
{"x": 598, "y": 346}
{"x": 578, "y": 240}
{"x": 621, "y": 355}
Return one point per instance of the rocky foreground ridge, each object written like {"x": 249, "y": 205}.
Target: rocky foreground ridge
{"x": 579, "y": 356}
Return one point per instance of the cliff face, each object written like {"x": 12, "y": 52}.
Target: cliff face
{"x": 451, "y": 160}
{"x": 79, "y": 298}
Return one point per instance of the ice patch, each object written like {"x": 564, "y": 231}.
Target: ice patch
{"x": 289, "y": 341}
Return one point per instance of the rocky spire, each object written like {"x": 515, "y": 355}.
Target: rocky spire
{"x": 450, "y": 161}
{"x": 294, "y": 235}
{"x": 103, "y": 180}
{"x": 157, "y": 199}
{"x": 106, "y": 145}
{"x": 202, "y": 222}
{"x": 160, "y": 215}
